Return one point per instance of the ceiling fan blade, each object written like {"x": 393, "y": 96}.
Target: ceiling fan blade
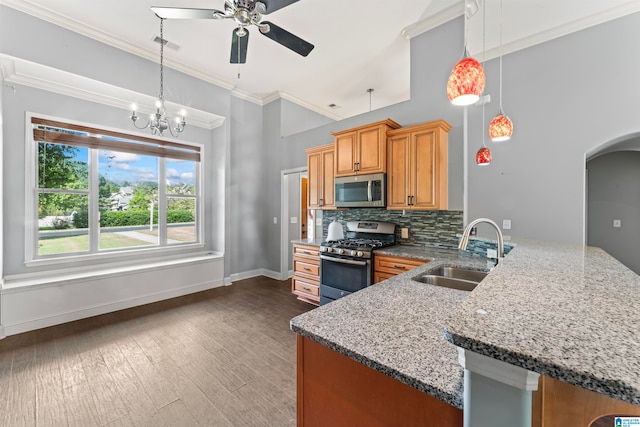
{"x": 286, "y": 39}
{"x": 273, "y": 5}
{"x": 239, "y": 47}
{"x": 187, "y": 13}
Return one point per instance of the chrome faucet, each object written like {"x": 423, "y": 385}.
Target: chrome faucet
{"x": 464, "y": 241}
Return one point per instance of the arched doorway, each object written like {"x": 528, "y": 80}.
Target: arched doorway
{"x": 613, "y": 199}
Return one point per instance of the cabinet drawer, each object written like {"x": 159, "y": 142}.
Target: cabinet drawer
{"x": 300, "y": 286}
{"x": 307, "y": 251}
{"x": 395, "y": 265}
{"x": 305, "y": 267}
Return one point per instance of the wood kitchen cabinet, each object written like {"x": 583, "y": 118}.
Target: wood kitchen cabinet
{"x": 362, "y": 149}
{"x": 334, "y": 390}
{"x": 387, "y": 266}
{"x": 558, "y": 404}
{"x": 417, "y": 161}
{"x": 306, "y": 273}
{"x": 320, "y": 170}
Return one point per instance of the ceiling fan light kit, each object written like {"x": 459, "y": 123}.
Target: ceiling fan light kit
{"x": 245, "y": 13}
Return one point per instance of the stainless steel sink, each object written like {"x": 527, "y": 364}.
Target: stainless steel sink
{"x": 453, "y": 278}
{"x": 460, "y": 273}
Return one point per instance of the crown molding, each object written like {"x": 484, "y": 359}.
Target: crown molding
{"x": 22, "y": 72}
{"x": 95, "y": 34}
{"x": 433, "y": 21}
{"x": 274, "y": 96}
{"x": 455, "y": 11}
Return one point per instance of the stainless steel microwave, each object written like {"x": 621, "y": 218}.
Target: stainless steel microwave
{"x": 361, "y": 191}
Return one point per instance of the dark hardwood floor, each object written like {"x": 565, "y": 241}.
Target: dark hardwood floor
{"x": 216, "y": 358}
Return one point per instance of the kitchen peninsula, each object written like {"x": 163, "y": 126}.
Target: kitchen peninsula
{"x": 563, "y": 311}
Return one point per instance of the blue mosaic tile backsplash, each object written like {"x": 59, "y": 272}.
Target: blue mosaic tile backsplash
{"x": 426, "y": 228}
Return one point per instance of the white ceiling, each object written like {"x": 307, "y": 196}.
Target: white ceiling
{"x": 359, "y": 44}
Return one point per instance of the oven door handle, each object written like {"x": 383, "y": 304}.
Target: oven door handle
{"x": 369, "y": 191}
{"x": 342, "y": 260}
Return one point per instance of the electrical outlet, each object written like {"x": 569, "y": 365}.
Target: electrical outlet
{"x": 617, "y": 223}
{"x": 492, "y": 253}
{"x": 318, "y": 221}
{"x": 404, "y": 233}
{"x": 506, "y": 224}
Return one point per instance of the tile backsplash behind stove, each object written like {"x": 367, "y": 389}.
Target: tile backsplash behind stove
{"x": 430, "y": 228}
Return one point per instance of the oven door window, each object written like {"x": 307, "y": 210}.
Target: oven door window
{"x": 348, "y": 277}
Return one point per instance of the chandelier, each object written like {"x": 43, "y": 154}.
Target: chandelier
{"x": 158, "y": 121}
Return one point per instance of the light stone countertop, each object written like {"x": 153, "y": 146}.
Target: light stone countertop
{"x": 570, "y": 312}
{"x": 395, "y": 326}
{"x": 316, "y": 241}
{"x": 566, "y": 311}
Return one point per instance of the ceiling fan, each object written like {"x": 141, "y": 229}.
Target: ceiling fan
{"x": 244, "y": 13}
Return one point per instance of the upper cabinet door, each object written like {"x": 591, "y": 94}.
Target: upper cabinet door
{"x": 418, "y": 167}
{"x": 423, "y": 174}
{"x": 345, "y": 153}
{"x": 371, "y": 146}
{"x": 363, "y": 149}
{"x": 398, "y": 149}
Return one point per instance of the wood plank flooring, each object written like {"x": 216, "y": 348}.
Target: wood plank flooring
{"x": 224, "y": 357}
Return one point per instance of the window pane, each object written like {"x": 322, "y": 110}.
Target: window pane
{"x": 181, "y": 177}
{"x": 62, "y": 166}
{"x": 128, "y": 189}
{"x": 62, "y": 223}
{"x": 181, "y": 217}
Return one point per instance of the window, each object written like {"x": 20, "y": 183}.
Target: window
{"x": 101, "y": 191}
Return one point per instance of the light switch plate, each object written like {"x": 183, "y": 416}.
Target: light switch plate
{"x": 506, "y": 224}
{"x": 294, "y": 220}
{"x": 617, "y": 223}
{"x": 275, "y": 219}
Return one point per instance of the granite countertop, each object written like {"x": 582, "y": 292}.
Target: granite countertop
{"x": 316, "y": 241}
{"x": 395, "y": 326}
{"x": 566, "y": 311}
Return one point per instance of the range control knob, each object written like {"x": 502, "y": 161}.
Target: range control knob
{"x": 353, "y": 253}
{"x": 341, "y": 251}
{"x": 360, "y": 253}
{"x": 329, "y": 249}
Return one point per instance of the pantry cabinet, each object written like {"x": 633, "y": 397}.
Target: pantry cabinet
{"x": 320, "y": 170}
{"x": 362, "y": 150}
{"x": 417, "y": 160}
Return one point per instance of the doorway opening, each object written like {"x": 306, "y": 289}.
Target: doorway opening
{"x": 612, "y": 201}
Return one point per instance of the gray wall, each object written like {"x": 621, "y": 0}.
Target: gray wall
{"x": 614, "y": 194}
{"x": 565, "y": 97}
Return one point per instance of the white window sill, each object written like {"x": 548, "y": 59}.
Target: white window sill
{"x": 55, "y": 277}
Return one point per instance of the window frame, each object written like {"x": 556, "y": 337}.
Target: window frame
{"x": 144, "y": 252}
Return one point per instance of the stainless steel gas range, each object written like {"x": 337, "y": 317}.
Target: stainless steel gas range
{"x": 347, "y": 264}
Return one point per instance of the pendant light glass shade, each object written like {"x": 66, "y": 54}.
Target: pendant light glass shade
{"x": 500, "y": 128}
{"x": 466, "y": 82}
{"x": 483, "y": 156}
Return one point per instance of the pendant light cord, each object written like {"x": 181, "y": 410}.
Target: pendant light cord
{"x": 501, "y": 24}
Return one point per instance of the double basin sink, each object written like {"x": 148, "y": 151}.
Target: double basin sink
{"x": 453, "y": 277}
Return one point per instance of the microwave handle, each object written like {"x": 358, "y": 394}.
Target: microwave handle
{"x": 369, "y": 190}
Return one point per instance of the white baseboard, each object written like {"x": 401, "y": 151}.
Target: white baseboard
{"x": 2, "y": 335}
{"x": 289, "y": 274}
{"x": 84, "y": 313}
{"x": 254, "y": 273}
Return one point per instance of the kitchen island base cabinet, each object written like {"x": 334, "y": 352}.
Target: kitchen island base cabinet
{"x": 334, "y": 390}
{"x": 387, "y": 266}
{"x": 558, "y": 404}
